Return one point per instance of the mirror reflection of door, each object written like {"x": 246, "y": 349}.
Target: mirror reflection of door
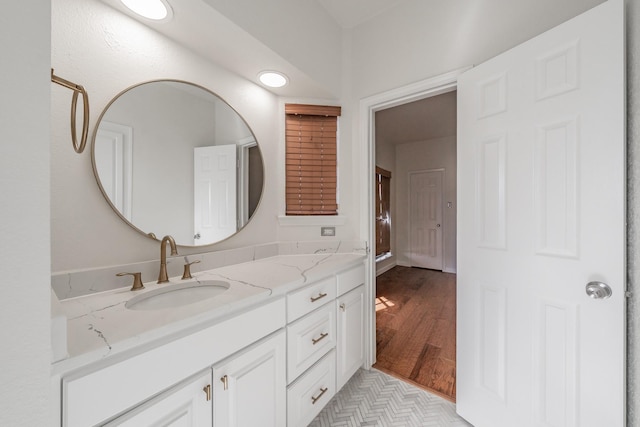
{"x": 214, "y": 193}
{"x": 250, "y": 179}
{"x": 256, "y": 179}
{"x": 113, "y": 154}
{"x": 425, "y": 219}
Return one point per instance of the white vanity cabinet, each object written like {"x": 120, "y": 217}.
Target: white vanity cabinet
{"x": 249, "y": 388}
{"x": 187, "y": 404}
{"x": 273, "y": 363}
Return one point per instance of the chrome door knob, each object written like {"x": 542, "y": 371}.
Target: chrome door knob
{"x": 598, "y": 290}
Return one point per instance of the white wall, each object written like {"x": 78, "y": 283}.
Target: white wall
{"x": 420, "y": 156}
{"x": 106, "y": 51}
{"x": 24, "y": 214}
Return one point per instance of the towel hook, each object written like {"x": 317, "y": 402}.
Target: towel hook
{"x": 77, "y": 89}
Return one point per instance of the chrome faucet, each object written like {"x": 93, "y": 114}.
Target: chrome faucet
{"x": 162, "y": 277}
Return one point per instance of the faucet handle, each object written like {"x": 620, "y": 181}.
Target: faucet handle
{"x": 187, "y": 270}
{"x": 137, "y": 280}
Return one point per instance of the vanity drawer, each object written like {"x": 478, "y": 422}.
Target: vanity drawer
{"x": 310, "y": 297}
{"x": 311, "y": 392}
{"x": 350, "y": 279}
{"x": 309, "y": 338}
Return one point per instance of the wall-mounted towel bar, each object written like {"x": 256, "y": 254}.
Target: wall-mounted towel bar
{"x": 77, "y": 89}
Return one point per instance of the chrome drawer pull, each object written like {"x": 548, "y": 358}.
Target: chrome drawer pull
{"x": 320, "y": 296}
{"x": 322, "y": 336}
{"x": 315, "y": 399}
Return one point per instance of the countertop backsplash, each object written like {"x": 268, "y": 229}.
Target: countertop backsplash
{"x": 77, "y": 283}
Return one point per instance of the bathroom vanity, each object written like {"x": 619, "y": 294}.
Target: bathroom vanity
{"x": 271, "y": 349}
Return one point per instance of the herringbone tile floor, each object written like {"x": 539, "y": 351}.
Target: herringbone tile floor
{"x": 372, "y": 398}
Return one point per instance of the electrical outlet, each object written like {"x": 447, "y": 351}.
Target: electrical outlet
{"x": 327, "y": 231}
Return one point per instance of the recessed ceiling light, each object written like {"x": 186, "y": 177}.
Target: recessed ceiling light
{"x": 156, "y": 10}
{"x": 273, "y": 79}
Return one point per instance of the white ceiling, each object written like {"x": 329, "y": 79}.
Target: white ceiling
{"x": 349, "y": 13}
{"x": 247, "y": 56}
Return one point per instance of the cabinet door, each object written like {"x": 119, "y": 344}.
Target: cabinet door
{"x": 187, "y": 404}
{"x": 250, "y": 388}
{"x": 350, "y": 346}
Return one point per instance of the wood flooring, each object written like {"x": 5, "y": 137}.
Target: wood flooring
{"x": 416, "y": 328}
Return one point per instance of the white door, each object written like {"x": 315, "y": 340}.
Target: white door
{"x": 214, "y": 190}
{"x": 541, "y": 211}
{"x": 425, "y": 219}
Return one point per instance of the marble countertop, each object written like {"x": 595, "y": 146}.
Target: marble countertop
{"x": 99, "y": 326}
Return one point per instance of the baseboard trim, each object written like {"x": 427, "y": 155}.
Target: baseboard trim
{"x": 385, "y": 269}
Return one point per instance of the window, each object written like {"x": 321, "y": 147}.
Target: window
{"x": 383, "y": 211}
{"x": 311, "y": 159}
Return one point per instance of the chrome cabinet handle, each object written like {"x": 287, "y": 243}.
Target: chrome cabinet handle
{"x": 315, "y": 399}
{"x": 343, "y": 307}
{"x": 322, "y": 336}
{"x": 598, "y": 290}
{"x": 320, "y": 296}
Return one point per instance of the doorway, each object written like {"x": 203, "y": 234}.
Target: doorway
{"x": 415, "y": 285}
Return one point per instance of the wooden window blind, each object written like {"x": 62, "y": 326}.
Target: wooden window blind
{"x": 383, "y": 211}
{"x": 311, "y": 159}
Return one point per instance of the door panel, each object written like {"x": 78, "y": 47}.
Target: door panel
{"x": 541, "y": 213}
{"x": 425, "y": 221}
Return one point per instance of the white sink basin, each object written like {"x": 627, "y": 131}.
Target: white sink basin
{"x": 177, "y": 295}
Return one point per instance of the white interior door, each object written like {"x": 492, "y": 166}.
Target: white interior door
{"x": 541, "y": 211}
{"x": 214, "y": 193}
{"x": 425, "y": 219}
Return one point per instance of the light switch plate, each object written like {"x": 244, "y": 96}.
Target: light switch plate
{"x": 327, "y": 231}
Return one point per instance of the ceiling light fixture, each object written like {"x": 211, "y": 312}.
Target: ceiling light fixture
{"x": 273, "y": 79}
{"x": 156, "y": 10}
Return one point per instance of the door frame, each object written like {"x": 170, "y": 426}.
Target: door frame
{"x": 368, "y": 107}
{"x": 443, "y": 228}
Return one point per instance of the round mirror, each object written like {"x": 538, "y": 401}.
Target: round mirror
{"x": 173, "y": 158}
